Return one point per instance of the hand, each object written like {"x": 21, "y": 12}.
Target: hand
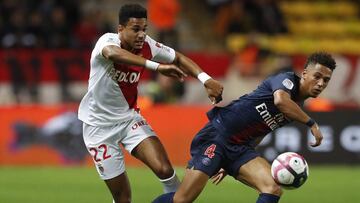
{"x": 214, "y": 90}
{"x": 315, "y": 130}
{"x": 219, "y": 176}
{"x": 171, "y": 70}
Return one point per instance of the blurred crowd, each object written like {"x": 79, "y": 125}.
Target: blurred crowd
{"x": 50, "y": 24}
{"x": 245, "y": 16}
{"x": 76, "y": 25}
{"x": 65, "y": 25}
{"x": 251, "y": 18}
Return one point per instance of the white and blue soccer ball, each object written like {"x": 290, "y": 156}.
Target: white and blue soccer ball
{"x": 290, "y": 170}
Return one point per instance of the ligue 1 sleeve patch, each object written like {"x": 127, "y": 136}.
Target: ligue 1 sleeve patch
{"x": 158, "y": 45}
{"x": 288, "y": 83}
{"x": 111, "y": 40}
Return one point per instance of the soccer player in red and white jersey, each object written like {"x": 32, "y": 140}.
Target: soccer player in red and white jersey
{"x": 109, "y": 112}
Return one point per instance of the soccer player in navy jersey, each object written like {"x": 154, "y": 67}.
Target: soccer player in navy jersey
{"x": 226, "y": 145}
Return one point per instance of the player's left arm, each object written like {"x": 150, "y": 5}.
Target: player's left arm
{"x": 290, "y": 109}
{"x": 213, "y": 87}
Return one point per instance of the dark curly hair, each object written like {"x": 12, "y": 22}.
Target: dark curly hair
{"x": 131, "y": 11}
{"x": 322, "y": 58}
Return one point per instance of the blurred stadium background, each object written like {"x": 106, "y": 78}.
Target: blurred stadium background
{"x": 45, "y": 47}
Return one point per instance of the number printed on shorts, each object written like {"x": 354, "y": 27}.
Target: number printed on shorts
{"x": 210, "y": 151}
{"x": 96, "y": 151}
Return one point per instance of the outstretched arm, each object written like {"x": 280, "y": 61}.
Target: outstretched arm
{"x": 213, "y": 87}
{"x": 119, "y": 56}
{"x": 290, "y": 109}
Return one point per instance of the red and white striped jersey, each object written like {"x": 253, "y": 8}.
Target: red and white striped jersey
{"x": 112, "y": 90}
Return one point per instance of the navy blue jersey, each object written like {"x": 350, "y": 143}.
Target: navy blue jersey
{"x": 254, "y": 115}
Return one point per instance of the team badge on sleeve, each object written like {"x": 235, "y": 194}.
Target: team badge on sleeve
{"x": 163, "y": 47}
{"x": 288, "y": 83}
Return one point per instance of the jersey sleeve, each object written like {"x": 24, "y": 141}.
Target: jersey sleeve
{"x": 106, "y": 40}
{"x": 282, "y": 81}
{"x": 160, "y": 52}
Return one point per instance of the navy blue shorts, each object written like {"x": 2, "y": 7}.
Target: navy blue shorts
{"x": 209, "y": 154}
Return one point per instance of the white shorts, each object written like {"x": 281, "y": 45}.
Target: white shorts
{"x": 103, "y": 144}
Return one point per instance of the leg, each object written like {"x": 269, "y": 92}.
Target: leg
{"x": 207, "y": 157}
{"x": 108, "y": 159}
{"x": 120, "y": 188}
{"x": 190, "y": 188}
{"x": 256, "y": 173}
{"x": 151, "y": 152}
{"x": 206, "y": 161}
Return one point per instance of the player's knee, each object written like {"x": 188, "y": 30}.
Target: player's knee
{"x": 272, "y": 188}
{"x": 122, "y": 197}
{"x": 276, "y": 190}
{"x": 164, "y": 171}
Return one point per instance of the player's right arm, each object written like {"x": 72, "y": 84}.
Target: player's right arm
{"x": 290, "y": 109}
{"x": 122, "y": 56}
{"x": 166, "y": 54}
{"x": 213, "y": 87}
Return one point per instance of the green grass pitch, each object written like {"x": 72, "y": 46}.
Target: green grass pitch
{"x": 331, "y": 184}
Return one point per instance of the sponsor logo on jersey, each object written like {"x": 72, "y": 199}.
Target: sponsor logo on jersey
{"x": 120, "y": 76}
{"x": 272, "y": 121}
{"x": 288, "y": 84}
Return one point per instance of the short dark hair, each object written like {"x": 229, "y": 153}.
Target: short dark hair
{"x": 131, "y": 11}
{"x": 322, "y": 58}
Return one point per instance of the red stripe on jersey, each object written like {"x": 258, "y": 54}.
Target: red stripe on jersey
{"x": 130, "y": 75}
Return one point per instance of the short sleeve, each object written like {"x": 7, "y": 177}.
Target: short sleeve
{"x": 282, "y": 81}
{"x": 106, "y": 40}
{"x": 160, "y": 52}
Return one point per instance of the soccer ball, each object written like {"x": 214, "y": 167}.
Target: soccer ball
{"x": 290, "y": 170}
